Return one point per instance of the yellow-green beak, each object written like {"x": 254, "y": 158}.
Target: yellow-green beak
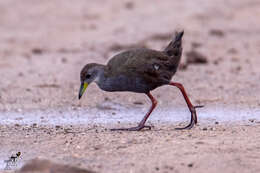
{"x": 82, "y": 89}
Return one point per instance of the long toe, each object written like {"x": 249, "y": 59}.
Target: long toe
{"x": 193, "y": 120}
{"x": 189, "y": 126}
{"x": 137, "y": 128}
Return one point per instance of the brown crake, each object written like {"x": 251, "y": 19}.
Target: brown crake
{"x": 141, "y": 71}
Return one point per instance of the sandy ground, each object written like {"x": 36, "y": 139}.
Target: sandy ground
{"x": 44, "y": 44}
{"x": 163, "y": 149}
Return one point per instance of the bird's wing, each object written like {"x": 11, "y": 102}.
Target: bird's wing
{"x": 119, "y": 60}
{"x": 140, "y": 62}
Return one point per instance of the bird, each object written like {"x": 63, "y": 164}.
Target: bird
{"x": 139, "y": 70}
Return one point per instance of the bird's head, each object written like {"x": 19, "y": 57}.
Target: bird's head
{"x": 90, "y": 73}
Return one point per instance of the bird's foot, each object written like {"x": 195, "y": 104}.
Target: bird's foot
{"x": 138, "y": 128}
{"x": 188, "y": 127}
{"x": 193, "y": 120}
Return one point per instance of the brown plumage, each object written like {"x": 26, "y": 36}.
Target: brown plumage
{"x": 139, "y": 70}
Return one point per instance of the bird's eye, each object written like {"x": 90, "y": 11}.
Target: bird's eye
{"x": 88, "y": 76}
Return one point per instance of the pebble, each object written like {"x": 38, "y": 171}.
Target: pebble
{"x": 251, "y": 120}
{"x": 204, "y": 128}
{"x": 190, "y": 165}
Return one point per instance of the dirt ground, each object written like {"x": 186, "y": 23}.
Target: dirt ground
{"x": 163, "y": 149}
{"x": 44, "y": 45}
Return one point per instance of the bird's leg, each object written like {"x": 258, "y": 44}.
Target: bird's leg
{"x": 141, "y": 124}
{"x": 192, "y": 108}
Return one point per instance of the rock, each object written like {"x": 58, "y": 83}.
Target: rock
{"x": 190, "y": 165}
{"x": 57, "y": 127}
{"x": 217, "y": 32}
{"x": 138, "y": 103}
{"x": 129, "y": 5}
{"x": 46, "y": 166}
{"x": 232, "y": 51}
{"x": 37, "y": 51}
{"x": 252, "y": 120}
{"x": 204, "y": 128}
{"x": 195, "y": 57}
{"x": 195, "y": 45}
{"x": 64, "y": 60}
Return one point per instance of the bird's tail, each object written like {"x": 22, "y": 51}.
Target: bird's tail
{"x": 174, "y": 48}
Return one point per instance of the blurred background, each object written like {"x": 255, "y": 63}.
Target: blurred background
{"x": 44, "y": 44}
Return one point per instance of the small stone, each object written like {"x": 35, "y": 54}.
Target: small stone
{"x": 195, "y": 45}
{"x": 204, "y": 128}
{"x": 200, "y": 142}
{"x": 129, "y": 5}
{"x": 190, "y": 165}
{"x": 195, "y": 57}
{"x": 216, "y": 62}
{"x": 251, "y": 120}
{"x": 217, "y": 32}
{"x": 57, "y": 126}
{"x": 96, "y": 148}
{"x": 64, "y": 60}
{"x": 138, "y": 103}
{"x": 20, "y": 74}
{"x": 232, "y": 51}
{"x": 37, "y": 51}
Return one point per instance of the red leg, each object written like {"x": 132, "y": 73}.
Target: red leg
{"x": 192, "y": 108}
{"x": 141, "y": 124}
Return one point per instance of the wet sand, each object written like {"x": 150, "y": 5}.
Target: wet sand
{"x": 44, "y": 45}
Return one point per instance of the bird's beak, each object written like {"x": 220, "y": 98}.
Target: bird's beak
{"x": 83, "y": 88}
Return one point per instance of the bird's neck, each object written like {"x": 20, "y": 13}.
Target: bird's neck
{"x": 101, "y": 70}
{"x": 102, "y": 79}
